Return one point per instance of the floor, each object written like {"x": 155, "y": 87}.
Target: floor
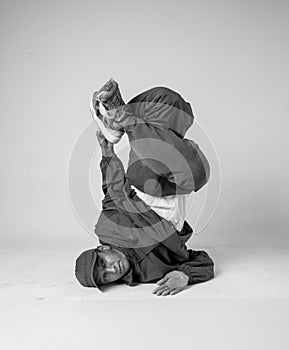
{"x": 44, "y": 307}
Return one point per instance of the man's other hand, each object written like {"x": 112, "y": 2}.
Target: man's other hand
{"x": 106, "y": 146}
{"x": 173, "y": 283}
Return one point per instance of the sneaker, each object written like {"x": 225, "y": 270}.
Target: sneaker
{"x": 109, "y": 95}
{"x": 113, "y": 136}
{"x": 112, "y": 99}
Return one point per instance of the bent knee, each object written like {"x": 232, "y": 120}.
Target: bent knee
{"x": 164, "y": 91}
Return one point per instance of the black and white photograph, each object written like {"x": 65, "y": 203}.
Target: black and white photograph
{"x": 144, "y": 166}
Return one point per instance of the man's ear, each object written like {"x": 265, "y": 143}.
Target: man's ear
{"x": 103, "y": 247}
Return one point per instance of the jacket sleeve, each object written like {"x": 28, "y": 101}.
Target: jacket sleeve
{"x": 125, "y": 219}
{"x": 114, "y": 184}
{"x": 120, "y": 197}
{"x": 199, "y": 267}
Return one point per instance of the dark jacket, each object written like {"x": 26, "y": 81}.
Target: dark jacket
{"x": 151, "y": 243}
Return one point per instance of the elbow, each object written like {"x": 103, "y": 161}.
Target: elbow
{"x": 211, "y": 270}
{"x": 209, "y": 267}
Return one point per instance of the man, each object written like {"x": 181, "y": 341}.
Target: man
{"x": 138, "y": 245}
{"x": 161, "y": 161}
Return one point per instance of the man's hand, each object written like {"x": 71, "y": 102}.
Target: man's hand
{"x": 106, "y": 146}
{"x": 173, "y": 283}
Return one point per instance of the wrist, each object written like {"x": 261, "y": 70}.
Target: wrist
{"x": 185, "y": 276}
{"x": 107, "y": 151}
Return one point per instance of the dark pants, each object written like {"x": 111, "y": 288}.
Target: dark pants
{"x": 152, "y": 168}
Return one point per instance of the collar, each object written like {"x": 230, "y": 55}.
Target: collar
{"x": 129, "y": 278}
{"x": 133, "y": 258}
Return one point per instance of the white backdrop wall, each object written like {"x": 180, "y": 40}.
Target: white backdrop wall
{"x": 228, "y": 58}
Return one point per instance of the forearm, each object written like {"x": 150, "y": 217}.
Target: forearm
{"x": 107, "y": 152}
{"x": 113, "y": 175}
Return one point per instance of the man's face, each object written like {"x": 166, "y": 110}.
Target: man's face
{"x": 111, "y": 265}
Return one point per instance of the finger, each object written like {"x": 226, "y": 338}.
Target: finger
{"x": 162, "y": 286}
{"x": 162, "y": 292}
{"x": 100, "y": 137}
{"x": 163, "y": 280}
{"x": 166, "y": 292}
{"x": 175, "y": 291}
{"x": 160, "y": 289}
{"x": 99, "y": 133}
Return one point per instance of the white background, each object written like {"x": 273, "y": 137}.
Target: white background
{"x": 229, "y": 59}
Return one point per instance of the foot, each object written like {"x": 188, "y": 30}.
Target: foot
{"x": 111, "y": 105}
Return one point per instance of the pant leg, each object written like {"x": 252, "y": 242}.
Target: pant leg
{"x": 163, "y": 105}
{"x": 162, "y": 164}
{"x": 166, "y": 116}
